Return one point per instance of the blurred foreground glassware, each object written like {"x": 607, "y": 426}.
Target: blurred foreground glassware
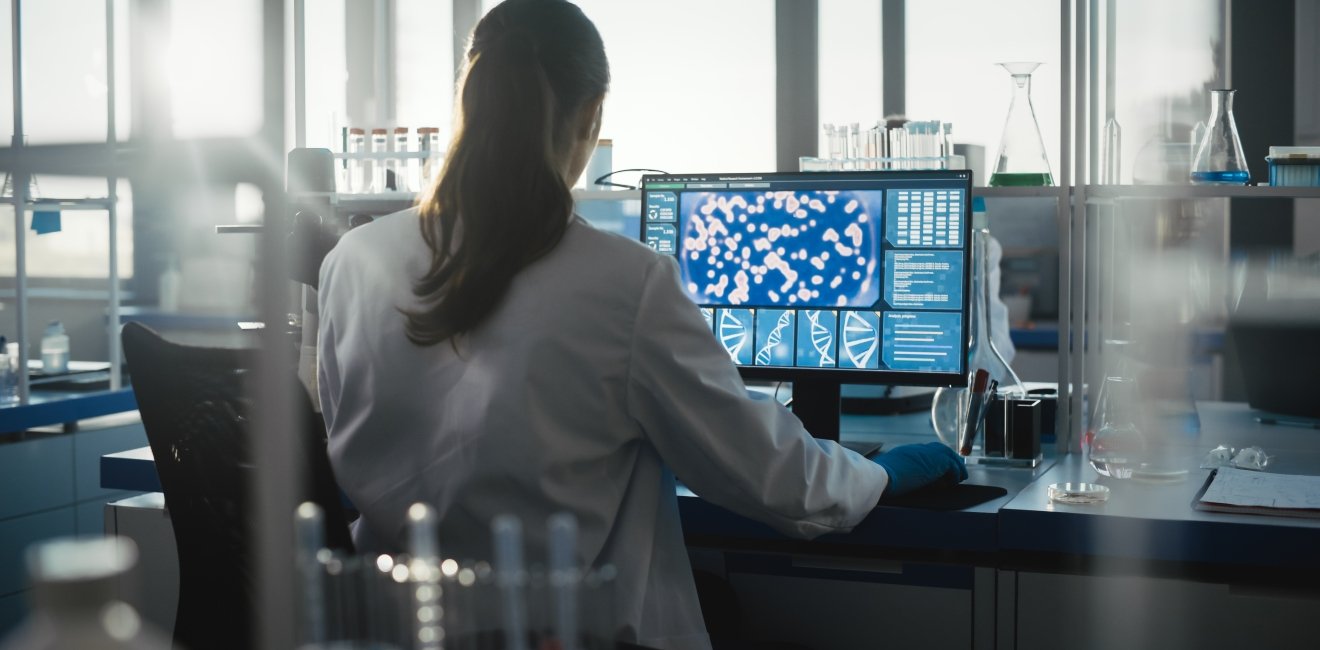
{"x": 1022, "y": 159}
{"x": 1219, "y": 158}
{"x": 1117, "y": 444}
{"x": 78, "y": 587}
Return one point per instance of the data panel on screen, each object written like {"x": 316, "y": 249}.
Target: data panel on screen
{"x": 821, "y": 271}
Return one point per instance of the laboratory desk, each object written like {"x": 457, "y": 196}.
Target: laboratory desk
{"x": 1019, "y": 571}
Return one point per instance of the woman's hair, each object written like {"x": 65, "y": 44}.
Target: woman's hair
{"x": 501, "y": 201}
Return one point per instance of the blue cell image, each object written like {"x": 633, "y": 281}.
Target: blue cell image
{"x": 781, "y": 249}
{"x": 817, "y": 331}
{"x": 929, "y": 341}
{"x": 925, "y": 218}
{"x": 775, "y": 333}
{"x": 924, "y": 279}
{"x": 733, "y": 327}
{"x": 709, "y": 314}
{"x": 859, "y": 342}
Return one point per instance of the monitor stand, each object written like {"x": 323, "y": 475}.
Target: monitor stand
{"x": 816, "y": 403}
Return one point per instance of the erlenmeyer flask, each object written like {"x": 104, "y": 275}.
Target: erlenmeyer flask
{"x": 1219, "y": 158}
{"x": 1118, "y": 445}
{"x": 1022, "y": 159}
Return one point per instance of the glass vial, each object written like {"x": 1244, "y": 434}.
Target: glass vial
{"x": 1219, "y": 157}
{"x": 1022, "y": 160}
{"x": 380, "y": 145}
{"x": 428, "y": 141}
{"x": 396, "y": 177}
{"x": 1111, "y": 166}
{"x": 357, "y": 165}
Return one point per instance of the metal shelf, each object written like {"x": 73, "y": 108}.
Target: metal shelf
{"x": 100, "y": 204}
{"x": 1200, "y": 192}
{"x": 1047, "y": 191}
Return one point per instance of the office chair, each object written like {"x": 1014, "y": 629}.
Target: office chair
{"x": 195, "y": 408}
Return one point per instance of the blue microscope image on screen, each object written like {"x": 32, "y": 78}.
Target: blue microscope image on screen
{"x": 816, "y": 338}
{"x": 775, "y": 332}
{"x": 859, "y": 347}
{"x": 733, "y": 327}
{"x": 787, "y": 249}
{"x": 924, "y": 279}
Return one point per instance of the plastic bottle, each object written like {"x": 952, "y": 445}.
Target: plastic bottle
{"x": 8, "y": 372}
{"x": 55, "y": 349}
{"x": 168, "y": 287}
{"x": 78, "y": 599}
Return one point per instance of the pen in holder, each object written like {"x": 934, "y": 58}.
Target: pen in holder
{"x": 1012, "y": 430}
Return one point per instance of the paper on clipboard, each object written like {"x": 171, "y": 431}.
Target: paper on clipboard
{"x": 1248, "y": 489}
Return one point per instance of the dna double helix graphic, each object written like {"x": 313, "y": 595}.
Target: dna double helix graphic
{"x": 859, "y": 339}
{"x": 732, "y": 333}
{"x": 822, "y": 338}
{"x": 766, "y": 353}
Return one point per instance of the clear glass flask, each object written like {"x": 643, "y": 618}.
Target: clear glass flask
{"x": 1117, "y": 445}
{"x": 1219, "y": 158}
{"x": 357, "y": 178}
{"x": 982, "y": 351}
{"x": 1022, "y": 160}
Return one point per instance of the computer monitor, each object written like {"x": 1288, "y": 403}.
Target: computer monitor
{"x": 824, "y": 278}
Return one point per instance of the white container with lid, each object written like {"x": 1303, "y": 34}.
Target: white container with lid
{"x": 55, "y": 349}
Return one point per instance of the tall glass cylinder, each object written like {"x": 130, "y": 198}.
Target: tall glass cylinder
{"x": 1219, "y": 157}
{"x": 1022, "y": 160}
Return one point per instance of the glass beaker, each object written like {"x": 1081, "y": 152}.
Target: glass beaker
{"x": 1022, "y": 159}
{"x": 1219, "y": 158}
{"x": 1117, "y": 446}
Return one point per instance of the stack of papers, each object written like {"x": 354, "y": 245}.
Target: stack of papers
{"x": 1238, "y": 490}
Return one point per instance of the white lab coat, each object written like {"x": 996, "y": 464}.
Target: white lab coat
{"x": 593, "y": 383}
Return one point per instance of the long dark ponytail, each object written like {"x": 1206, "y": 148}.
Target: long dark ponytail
{"x": 501, "y": 201}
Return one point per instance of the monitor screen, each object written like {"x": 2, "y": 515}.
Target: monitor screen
{"x": 859, "y": 277}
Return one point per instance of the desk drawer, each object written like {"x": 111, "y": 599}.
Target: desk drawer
{"x": 35, "y": 475}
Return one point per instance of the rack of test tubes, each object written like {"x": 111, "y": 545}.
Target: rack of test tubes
{"x": 388, "y": 160}
{"x": 907, "y": 145}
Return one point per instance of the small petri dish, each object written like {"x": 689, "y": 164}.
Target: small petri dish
{"x": 1079, "y": 493}
{"x": 1150, "y": 473}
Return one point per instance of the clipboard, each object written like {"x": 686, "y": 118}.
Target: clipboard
{"x": 1198, "y": 502}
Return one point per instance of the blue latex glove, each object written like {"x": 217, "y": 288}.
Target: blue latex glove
{"x": 912, "y": 467}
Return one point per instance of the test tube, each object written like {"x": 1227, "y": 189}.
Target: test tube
{"x": 564, "y": 578}
{"x": 423, "y": 546}
{"x": 510, "y": 574}
{"x": 380, "y": 144}
{"x": 356, "y": 145}
{"x": 309, "y": 530}
{"x": 395, "y": 168}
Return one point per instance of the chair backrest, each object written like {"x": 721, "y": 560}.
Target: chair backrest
{"x": 195, "y": 408}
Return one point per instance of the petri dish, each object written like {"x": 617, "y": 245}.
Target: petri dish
{"x": 1151, "y": 473}
{"x": 1078, "y": 493}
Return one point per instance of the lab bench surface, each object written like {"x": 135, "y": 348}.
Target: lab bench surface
{"x": 1144, "y": 522}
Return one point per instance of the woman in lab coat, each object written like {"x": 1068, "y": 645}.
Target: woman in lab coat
{"x": 489, "y": 352}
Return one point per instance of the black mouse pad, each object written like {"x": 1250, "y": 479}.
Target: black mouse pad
{"x": 958, "y": 497}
